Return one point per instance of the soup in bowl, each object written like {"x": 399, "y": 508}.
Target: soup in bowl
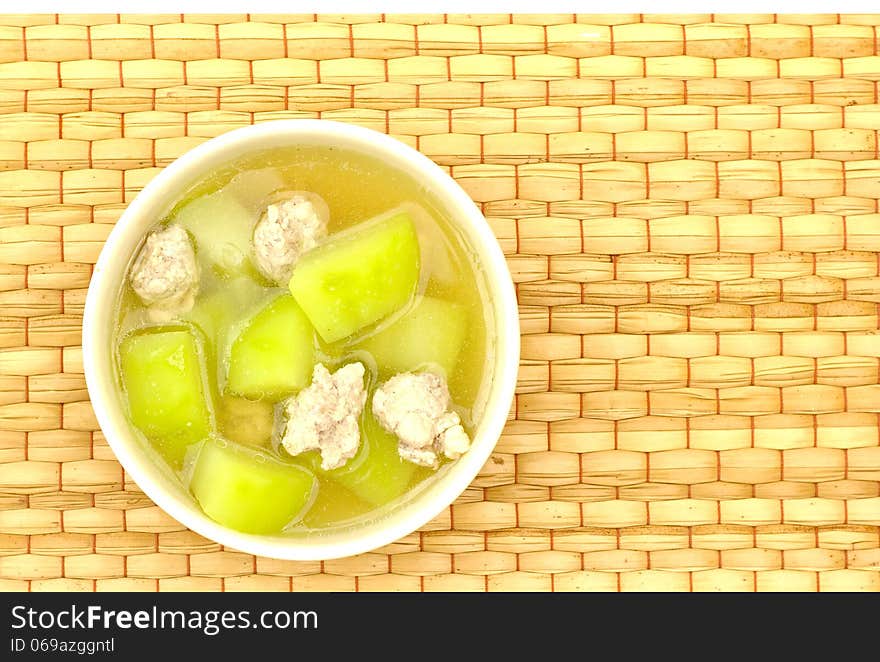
{"x": 301, "y": 339}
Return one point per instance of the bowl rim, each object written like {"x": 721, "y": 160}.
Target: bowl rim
{"x": 463, "y": 214}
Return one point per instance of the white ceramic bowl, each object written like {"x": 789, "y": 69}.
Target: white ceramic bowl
{"x": 421, "y": 505}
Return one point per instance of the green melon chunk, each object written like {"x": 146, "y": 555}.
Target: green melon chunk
{"x": 274, "y": 354}
{"x": 358, "y": 276}
{"x": 252, "y": 188}
{"x": 431, "y": 332}
{"x": 222, "y": 228}
{"x": 167, "y": 399}
{"x": 212, "y": 315}
{"x": 216, "y": 311}
{"x": 223, "y": 304}
{"x": 248, "y": 489}
{"x": 440, "y": 264}
{"x": 376, "y": 474}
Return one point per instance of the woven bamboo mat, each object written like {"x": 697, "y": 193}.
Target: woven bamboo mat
{"x": 689, "y": 206}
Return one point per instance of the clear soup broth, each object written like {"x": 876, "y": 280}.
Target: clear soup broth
{"x": 356, "y": 188}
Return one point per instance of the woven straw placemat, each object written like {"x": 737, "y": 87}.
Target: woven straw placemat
{"x": 689, "y": 207}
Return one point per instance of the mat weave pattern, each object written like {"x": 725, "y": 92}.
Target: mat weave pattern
{"x": 689, "y": 207}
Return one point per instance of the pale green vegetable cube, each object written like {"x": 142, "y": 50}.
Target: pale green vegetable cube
{"x": 248, "y": 489}
{"x": 222, "y": 228}
{"x": 165, "y": 387}
{"x": 432, "y": 332}
{"x": 358, "y": 276}
{"x": 274, "y": 354}
{"x": 253, "y": 188}
{"x": 216, "y": 311}
{"x": 439, "y": 262}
